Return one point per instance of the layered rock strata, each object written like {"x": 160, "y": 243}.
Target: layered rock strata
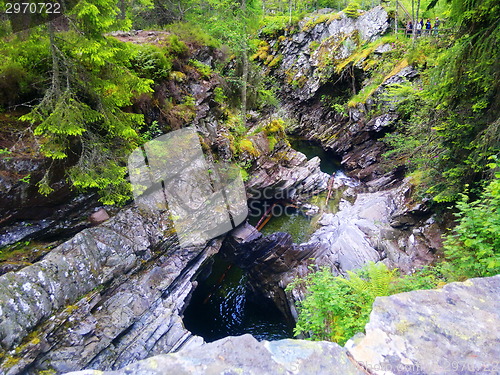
{"x": 111, "y": 295}
{"x": 434, "y": 332}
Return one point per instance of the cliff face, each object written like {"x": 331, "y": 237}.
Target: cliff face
{"x": 331, "y": 87}
{"x": 449, "y": 330}
{"x": 110, "y": 295}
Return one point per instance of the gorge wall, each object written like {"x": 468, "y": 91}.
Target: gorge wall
{"x": 115, "y": 293}
{"x": 421, "y": 332}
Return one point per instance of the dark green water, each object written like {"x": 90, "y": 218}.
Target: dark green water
{"x": 289, "y": 220}
{"x": 222, "y": 306}
{"x": 296, "y": 224}
{"x": 329, "y": 163}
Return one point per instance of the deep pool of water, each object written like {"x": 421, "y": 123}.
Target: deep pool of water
{"x": 222, "y": 306}
{"x": 329, "y": 163}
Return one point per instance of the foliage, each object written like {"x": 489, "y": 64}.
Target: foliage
{"x": 449, "y": 120}
{"x": 219, "y": 96}
{"x": 246, "y": 145}
{"x": 22, "y": 68}
{"x": 204, "y": 70}
{"x": 192, "y": 33}
{"x": 81, "y": 113}
{"x": 275, "y": 126}
{"x": 275, "y": 25}
{"x": 473, "y": 248}
{"x": 335, "y": 308}
{"x": 352, "y": 9}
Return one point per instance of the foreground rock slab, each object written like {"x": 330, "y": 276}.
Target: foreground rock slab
{"x": 453, "y": 330}
{"x": 245, "y": 355}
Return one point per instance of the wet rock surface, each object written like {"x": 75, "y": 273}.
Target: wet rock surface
{"x": 267, "y": 260}
{"x": 382, "y": 225}
{"x": 51, "y": 222}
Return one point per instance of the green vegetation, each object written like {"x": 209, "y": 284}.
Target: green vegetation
{"x": 447, "y": 135}
{"x": 352, "y": 9}
{"x": 473, "y": 247}
{"x": 335, "y": 308}
{"x": 449, "y": 120}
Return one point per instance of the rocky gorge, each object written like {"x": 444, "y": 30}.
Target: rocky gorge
{"x": 115, "y": 293}
{"x": 394, "y": 342}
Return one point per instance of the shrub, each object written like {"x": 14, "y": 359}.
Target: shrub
{"x": 175, "y": 46}
{"x": 336, "y": 308}
{"x": 151, "y": 62}
{"x": 352, "y": 10}
{"x": 246, "y": 145}
{"x": 219, "y": 95}
{"x": 473, "y": 248}
{"x": 275, "y": 126}
{"x": 204, "y": 70}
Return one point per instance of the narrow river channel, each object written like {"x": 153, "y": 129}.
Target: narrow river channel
{"x": 221, "y": 305}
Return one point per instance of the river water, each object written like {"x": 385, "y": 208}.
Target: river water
{"x": 221, "y": 305}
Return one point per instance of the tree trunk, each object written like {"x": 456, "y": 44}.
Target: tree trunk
{"x": 56, "y": 78}
{"x": 413, "y": 17}
{"x": 415, "y": 25}
{"x": 396, "y": 19}
{"x": 123, "y": 9}
{"x": 244, "y": 76}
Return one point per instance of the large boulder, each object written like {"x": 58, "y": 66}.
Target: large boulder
{"x": 449, "y": 330}
{"x": 245, "y": 355}
{"x": 373, "y": 226}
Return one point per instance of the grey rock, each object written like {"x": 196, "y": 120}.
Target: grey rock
{"x": 111, "y": 295}
{"x": 383, "y": 48}
{"x": 245, "y": 355}
{"x": 289, "y": 176}
{"x": 297, "y": 56}
{"x": 448, "y": 330}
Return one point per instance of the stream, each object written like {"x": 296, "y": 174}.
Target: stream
{"x": 222, "y": 305}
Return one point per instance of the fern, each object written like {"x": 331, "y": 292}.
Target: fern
{"x": 335, "y": 308}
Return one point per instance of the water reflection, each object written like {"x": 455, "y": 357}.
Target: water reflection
{"x": 222, "y": 306}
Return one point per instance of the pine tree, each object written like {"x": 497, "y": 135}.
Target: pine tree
{"x": 81, "y": 114}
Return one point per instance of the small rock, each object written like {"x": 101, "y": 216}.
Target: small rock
{"x": 310, "y": 209}
{"x": 98, "y": 217}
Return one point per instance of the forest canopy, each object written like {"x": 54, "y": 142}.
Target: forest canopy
{"x": 76, "y": 84}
